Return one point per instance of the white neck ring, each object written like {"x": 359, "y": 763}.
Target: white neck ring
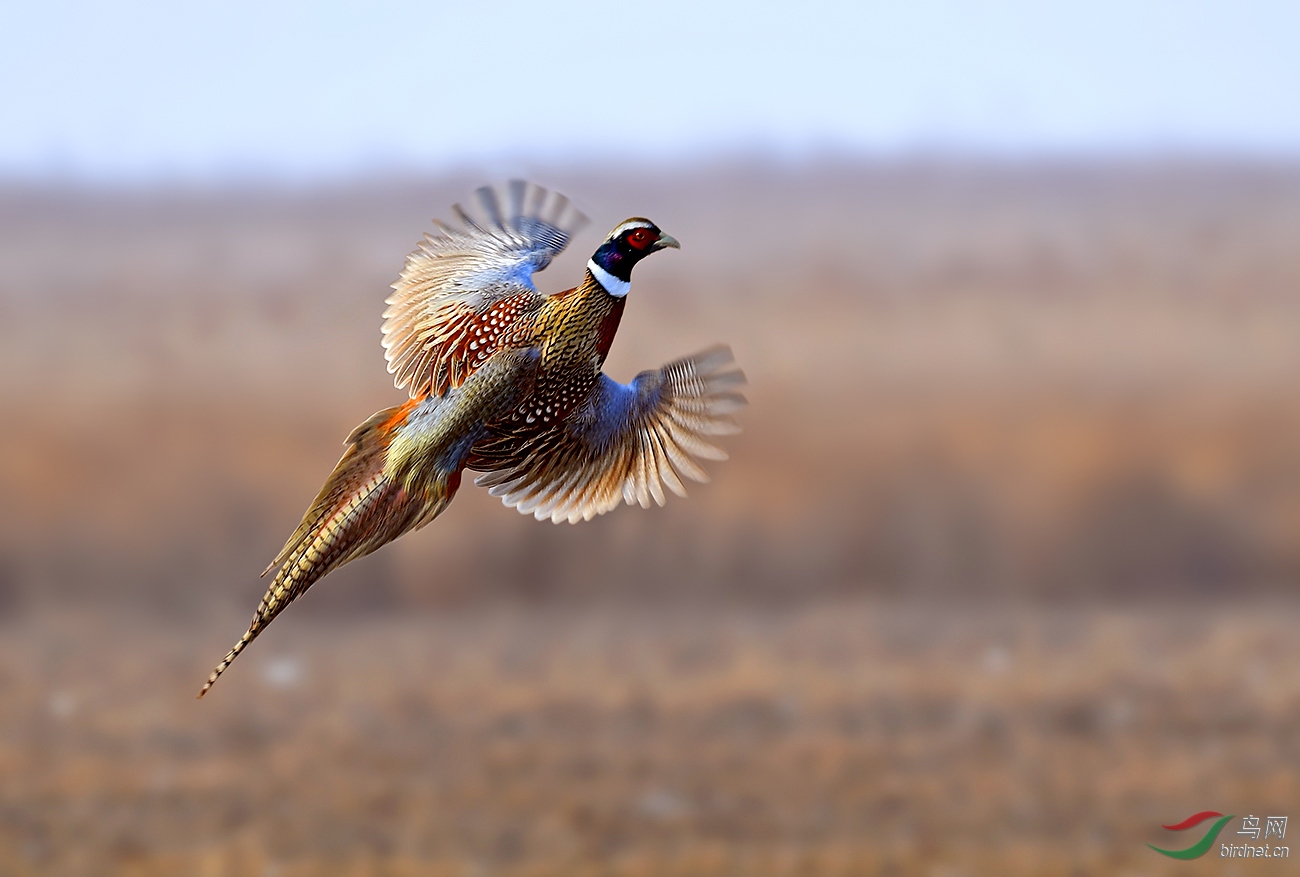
{"x": 614, "y": 286}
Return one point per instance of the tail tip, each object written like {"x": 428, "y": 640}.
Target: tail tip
{"x": 229, "y": 659}
{"x": 212, "y": 678}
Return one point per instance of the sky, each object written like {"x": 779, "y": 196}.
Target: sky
{"x": 167, "y": 90}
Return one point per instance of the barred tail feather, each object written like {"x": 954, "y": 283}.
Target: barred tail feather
{"x": 359, "y": 509}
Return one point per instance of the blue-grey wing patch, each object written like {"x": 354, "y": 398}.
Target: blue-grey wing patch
{"x": 626, "y": 443}
{"x": 467, "y": 285}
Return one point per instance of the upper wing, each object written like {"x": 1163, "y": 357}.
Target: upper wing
{"x": 463, "y": 288}
{"x": 623, "y": 444}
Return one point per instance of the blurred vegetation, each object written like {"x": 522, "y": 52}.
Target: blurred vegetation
{"x": 1050, "y": 381}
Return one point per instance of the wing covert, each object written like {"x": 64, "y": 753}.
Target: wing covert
{"x": 467, "y": 286}
{"x": 625, "y": 443}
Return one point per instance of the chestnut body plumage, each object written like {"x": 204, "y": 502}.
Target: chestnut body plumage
{"x": 508, "y": 382}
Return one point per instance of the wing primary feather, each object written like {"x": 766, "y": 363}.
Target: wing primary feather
{"x": 515, "y": 191}
{"x": 682, "y": 460}
{"x": 654, "y": 480}
{"x": 558, "y": 205}
{"x": 641, "y": 480}
{"x": 467, "y": 220}
{"x": 487, "y": 199}
{"x": 534, "y": 202}
{"x": 666, "y": 470}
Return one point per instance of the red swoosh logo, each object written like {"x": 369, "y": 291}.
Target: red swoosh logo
{"x": 1194, "y": 819}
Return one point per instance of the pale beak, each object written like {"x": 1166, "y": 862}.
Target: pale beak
{"x": 667, "y": 240}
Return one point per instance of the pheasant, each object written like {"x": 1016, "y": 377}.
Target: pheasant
{"x": 507, "y": 382}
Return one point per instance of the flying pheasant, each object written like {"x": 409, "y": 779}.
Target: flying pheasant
{"x": 508, "y": 382}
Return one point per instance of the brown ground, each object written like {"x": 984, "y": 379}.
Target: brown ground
{"x": 1000, "y": 577}
{"x": 845, "y": 738}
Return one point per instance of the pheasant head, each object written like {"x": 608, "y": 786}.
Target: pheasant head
{"x": 630, "y": 242}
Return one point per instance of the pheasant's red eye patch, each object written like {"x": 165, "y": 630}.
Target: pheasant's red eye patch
{"x": 640, "y": 238}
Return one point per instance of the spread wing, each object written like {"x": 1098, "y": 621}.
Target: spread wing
{"x": 464, "y": 289}
{"x": 625, "y": 443}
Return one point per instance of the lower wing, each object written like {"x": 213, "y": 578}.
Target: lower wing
{"x": 624, "y": 444}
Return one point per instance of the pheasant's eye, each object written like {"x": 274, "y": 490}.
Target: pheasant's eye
{"x": 640, "y": 238}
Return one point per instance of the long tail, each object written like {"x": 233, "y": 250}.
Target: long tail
{"x": 359, "y": 509}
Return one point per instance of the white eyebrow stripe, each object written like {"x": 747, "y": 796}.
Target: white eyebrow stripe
{"x": 635, "y": 223}
{"x": 614, "y": 286}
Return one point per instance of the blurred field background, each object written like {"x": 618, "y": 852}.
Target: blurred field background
{"x": 1000, "y": 575}
{"x": 1059, "y": 381}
